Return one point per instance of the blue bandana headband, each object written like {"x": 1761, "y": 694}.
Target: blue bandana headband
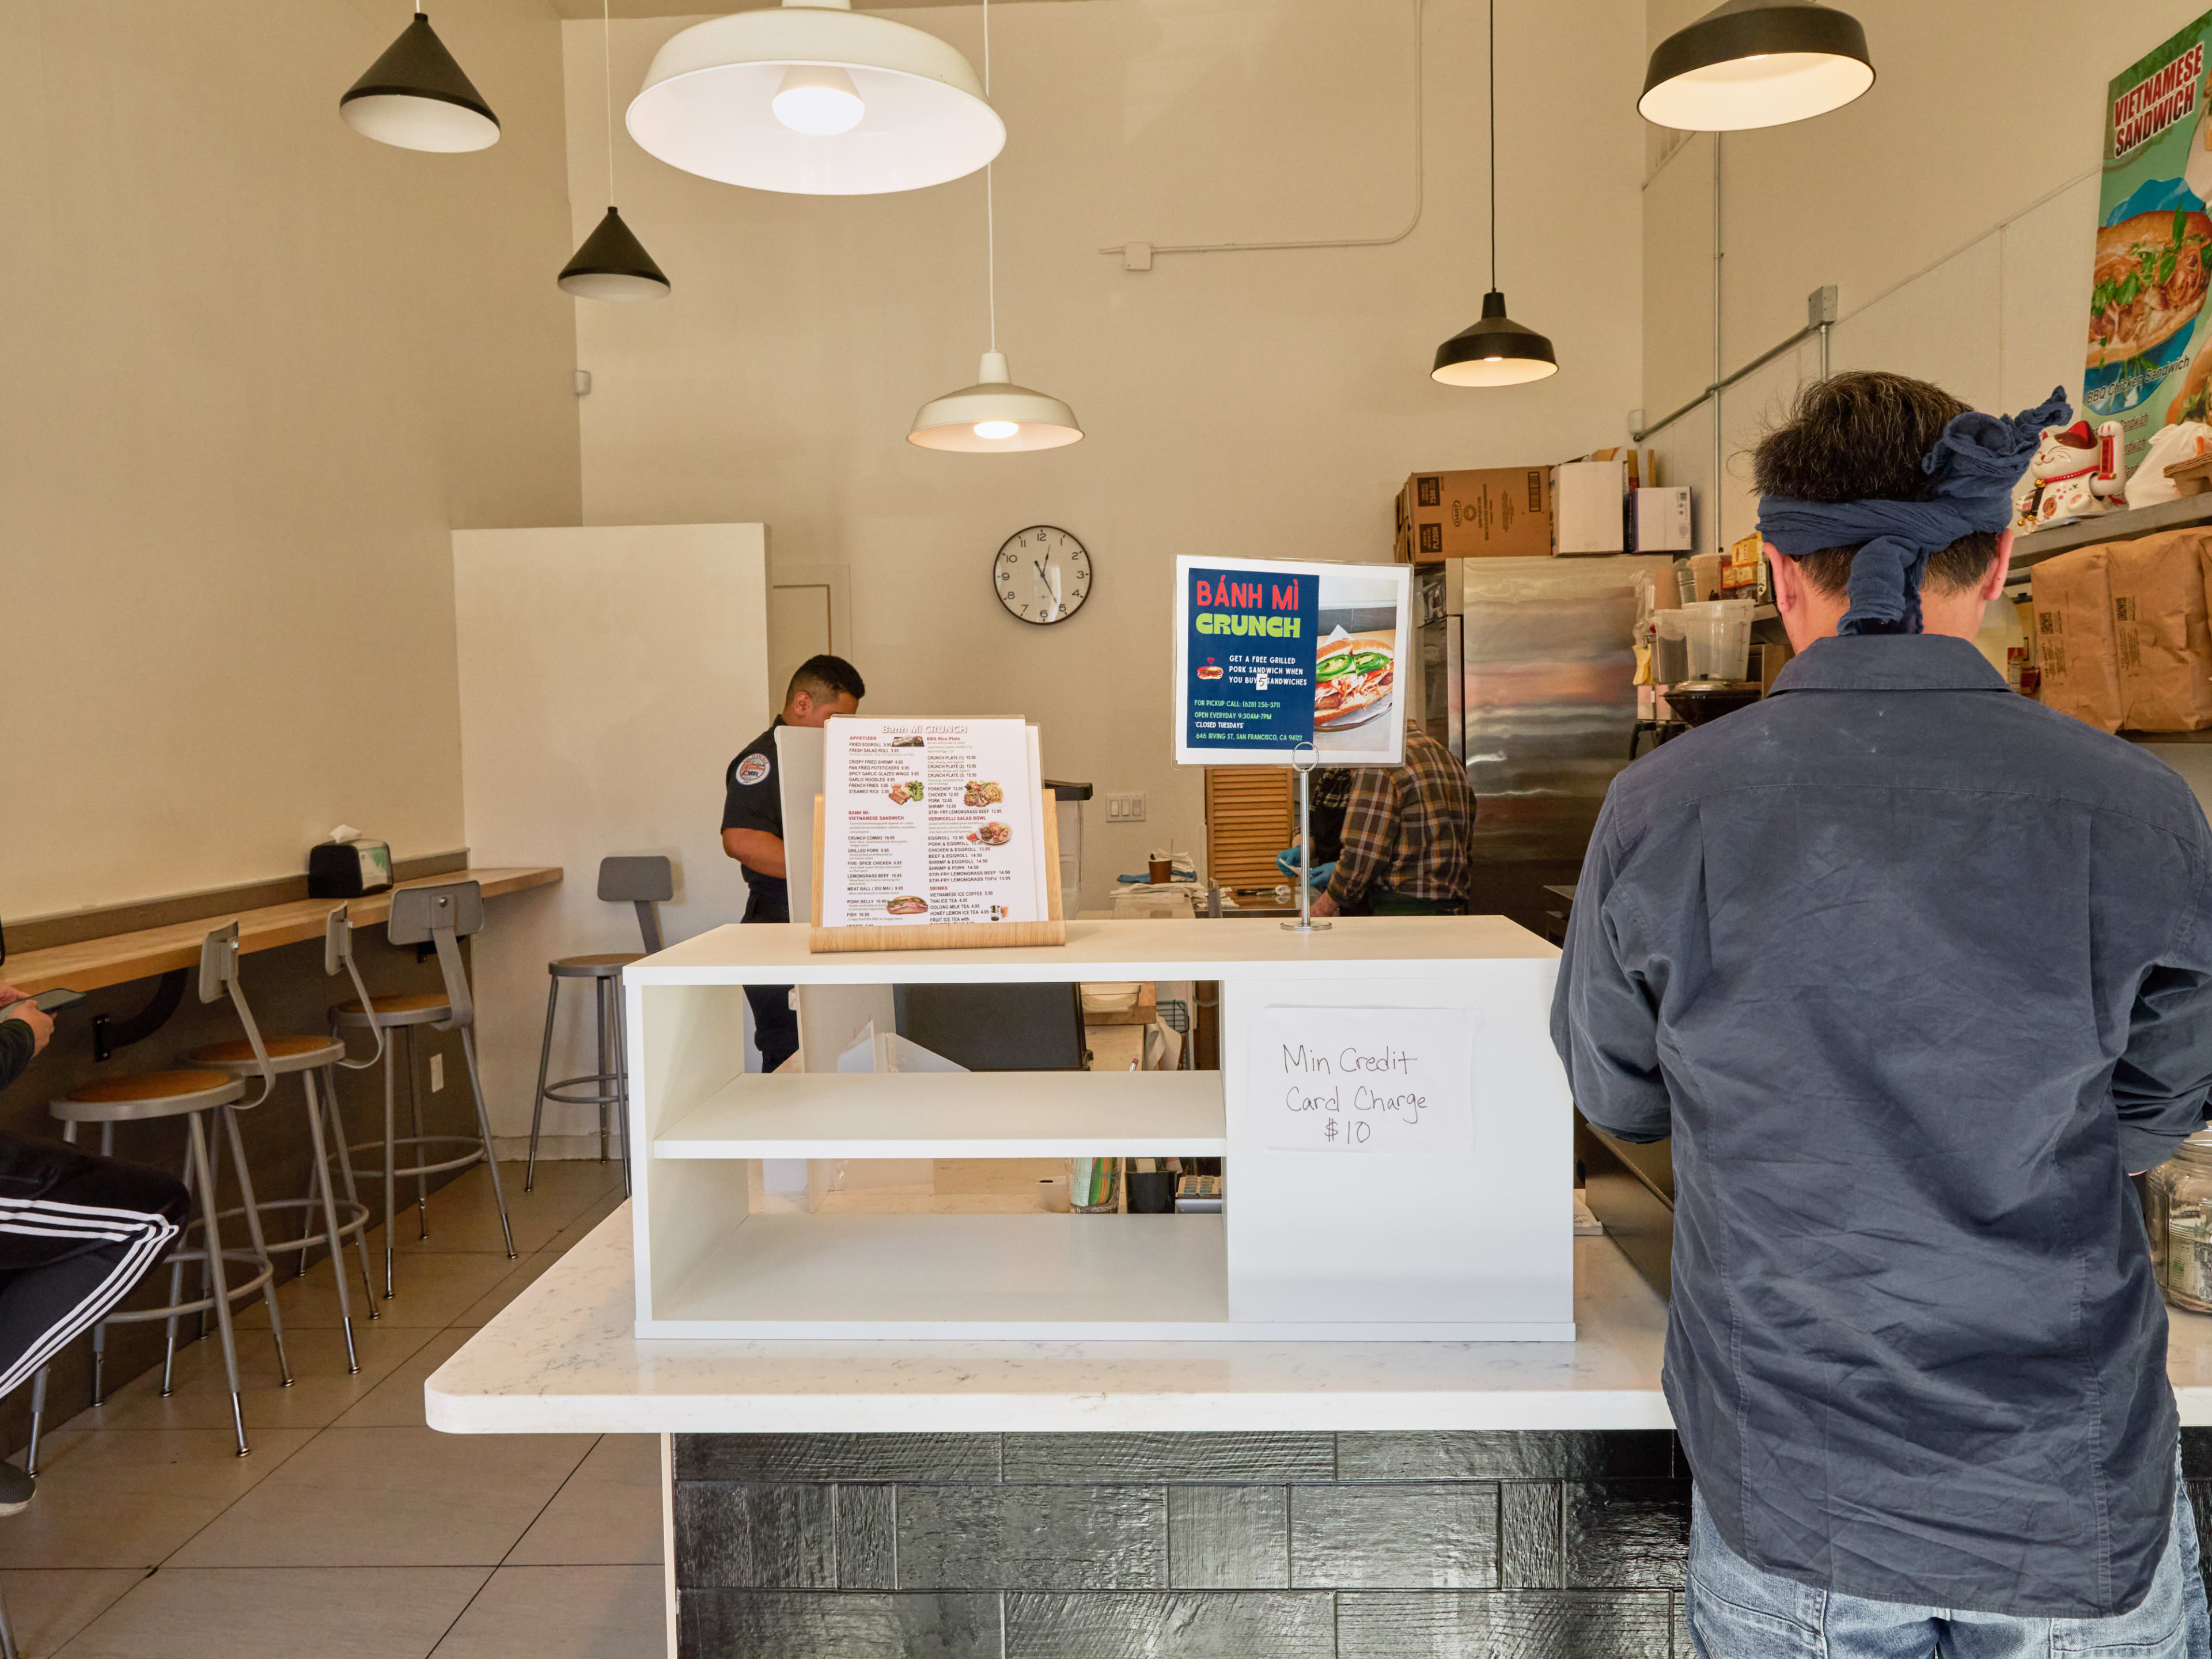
{"x": 1975, "y": 463}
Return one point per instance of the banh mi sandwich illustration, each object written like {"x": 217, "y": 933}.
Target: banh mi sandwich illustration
{"x": 906, "y": 904}
{"x": 1209, "y": 671}
{"x": 2150, "y": 282}
{"x": 2196, "y": 391}
{"x": 1354, "y": 673}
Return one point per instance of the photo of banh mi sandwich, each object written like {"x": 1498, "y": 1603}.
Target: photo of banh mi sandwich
{"x": 2150, "y": 282}
{"x": 906, "y": 904}
{"x": 1353, "y": 680}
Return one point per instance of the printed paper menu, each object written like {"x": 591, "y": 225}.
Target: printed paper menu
{"x": 929, "y": 821}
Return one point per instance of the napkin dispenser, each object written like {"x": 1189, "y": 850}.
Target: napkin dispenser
{"x": 347, "y": 865}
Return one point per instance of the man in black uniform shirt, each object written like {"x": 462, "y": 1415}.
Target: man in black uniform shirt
{"x": 752, "y": 830}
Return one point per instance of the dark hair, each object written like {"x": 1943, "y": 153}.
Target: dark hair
{"x": 1859, "y": 437}
{"x": 826, "y": 676}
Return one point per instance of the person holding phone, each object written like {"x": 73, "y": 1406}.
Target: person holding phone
{"x": 25, "y": 1030}
{"x": 77, "y": 1232}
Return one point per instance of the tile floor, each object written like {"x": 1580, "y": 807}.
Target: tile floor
{"x": 352, "y": 1526}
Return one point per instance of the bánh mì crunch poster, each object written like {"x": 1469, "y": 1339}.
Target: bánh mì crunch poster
{"x": 1272, "y": 654}
{"x": 2149, "y": 359}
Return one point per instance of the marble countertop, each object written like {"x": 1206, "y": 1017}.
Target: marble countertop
{"x": 561, "y": 1360}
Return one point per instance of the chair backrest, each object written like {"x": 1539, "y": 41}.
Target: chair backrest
{"x": 641, "y": 882}
{"x": 442, "y": 915}
{"x": 219, "y": 976}
{"x": 338, "y": 954}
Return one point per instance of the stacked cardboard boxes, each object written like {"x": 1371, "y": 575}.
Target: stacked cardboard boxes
{"x": 1608, "y": 503}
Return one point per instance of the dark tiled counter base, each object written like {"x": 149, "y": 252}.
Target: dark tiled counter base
{"x": 1528, "y": 1545}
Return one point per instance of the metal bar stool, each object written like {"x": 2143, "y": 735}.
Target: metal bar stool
{"x": 304, "y": 1057}
{"x": 192, "y": 1094}
{"x": 641, "y": 882}
{"x": 442, "y": 916}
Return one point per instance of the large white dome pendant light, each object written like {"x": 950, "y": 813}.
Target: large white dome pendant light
{"x": 1496, "y": 350}
{"x": 994, "y": 415}
{"x": 814, "y": 97}
{"x": 612, "y": 264}
{"x": 415, "y": 96}
{"x": 1756, "y": 63}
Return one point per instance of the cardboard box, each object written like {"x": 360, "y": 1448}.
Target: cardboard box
{"x": 1590, "y": 500}
{"x": 1659, "y": 518}
{"x": 1493, "y": 513}
{"x": 1642, "y": 465}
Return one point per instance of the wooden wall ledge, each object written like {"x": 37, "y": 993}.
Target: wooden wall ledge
{"x": 89, "y": 965}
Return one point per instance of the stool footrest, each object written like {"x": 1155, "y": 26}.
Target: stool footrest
{"x": 475, "y": 1155}
{"x": 553, "y": 1090}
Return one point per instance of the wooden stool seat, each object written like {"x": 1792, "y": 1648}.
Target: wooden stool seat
{"x": 148, "y": 1094}
{"x": 417, "y": 1008}
{"x": 286, "y": 1054}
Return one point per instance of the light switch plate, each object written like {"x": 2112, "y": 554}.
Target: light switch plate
{"x": 1125, "y": 809}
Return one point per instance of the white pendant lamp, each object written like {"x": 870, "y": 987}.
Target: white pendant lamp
{"x": 994, "y": 414}
{"x": 1494, "y": 350}
{"x": 815, "y": 98}
{"x": 1756, "y": 63}
{"x": 415, "y": 97}
{"x": 612, "y": 264}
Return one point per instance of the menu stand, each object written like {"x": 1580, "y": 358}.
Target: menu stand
{"x": 948, "y": 935}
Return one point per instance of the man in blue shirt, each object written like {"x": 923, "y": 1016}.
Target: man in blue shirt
{"x": 1915, "y": 973}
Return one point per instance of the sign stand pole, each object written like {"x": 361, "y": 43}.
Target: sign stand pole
{"x": 1305, "y": 923}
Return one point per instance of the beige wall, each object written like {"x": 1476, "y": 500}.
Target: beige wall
{"x": 1250, "y": 403}
{"x": 597, "y": 667}
{"x": 257, "y": 367}
{"x": 1954, "y": 206}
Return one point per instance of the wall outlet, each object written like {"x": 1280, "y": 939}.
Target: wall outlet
{"x": 1125, "y": 809}
{"x": 437, "y": 1073}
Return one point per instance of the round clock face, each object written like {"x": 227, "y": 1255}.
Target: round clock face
{"x": 1042, "y": 574}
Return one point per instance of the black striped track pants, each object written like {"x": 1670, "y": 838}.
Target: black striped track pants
{"x": 77, "y": 1232}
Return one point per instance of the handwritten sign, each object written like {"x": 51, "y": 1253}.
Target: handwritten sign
{"x": 1394, "y": 1081}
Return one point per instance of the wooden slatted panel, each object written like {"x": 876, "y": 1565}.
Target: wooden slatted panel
{"x": 1251, "y": 812}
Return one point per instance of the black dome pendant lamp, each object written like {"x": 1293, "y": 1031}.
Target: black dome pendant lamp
{"x": 1756, "y": 63}
{"x": 1496, "y": 350}
{"x": 612, "y": 264}
{"x": 415, "y": 97}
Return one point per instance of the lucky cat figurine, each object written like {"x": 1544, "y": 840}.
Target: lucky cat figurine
{"x": 2075, "y": 473}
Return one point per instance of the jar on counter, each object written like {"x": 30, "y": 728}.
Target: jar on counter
{"x": 2178, "y": 1214}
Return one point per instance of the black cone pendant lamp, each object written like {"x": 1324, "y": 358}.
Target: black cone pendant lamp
{"x": 1756, "y": 63}
{"x": 1496, "y": 351}
{"x": 612, "y": 264}
{"x": 415, "y": 97}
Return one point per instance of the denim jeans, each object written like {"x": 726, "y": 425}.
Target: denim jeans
{"x": 1737, "y": 1611}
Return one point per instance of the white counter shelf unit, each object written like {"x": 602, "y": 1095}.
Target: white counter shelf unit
{"x": 1471, "y": 1246}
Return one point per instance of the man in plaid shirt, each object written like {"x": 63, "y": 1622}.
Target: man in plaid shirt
{"x": 1407, "y": 838}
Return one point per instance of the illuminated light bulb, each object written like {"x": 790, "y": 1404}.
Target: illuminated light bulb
{"x": 818, "y": 99}
{"x": 997, "y": 429}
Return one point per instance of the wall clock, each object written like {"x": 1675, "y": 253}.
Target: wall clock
{"x": 1042, "y": 574}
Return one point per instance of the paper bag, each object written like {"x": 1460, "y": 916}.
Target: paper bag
{"x": 2159, "y": 626}
{"x": 2073, "y": 637}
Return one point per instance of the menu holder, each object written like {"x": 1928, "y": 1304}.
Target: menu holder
{"x": 947, "y": 935}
